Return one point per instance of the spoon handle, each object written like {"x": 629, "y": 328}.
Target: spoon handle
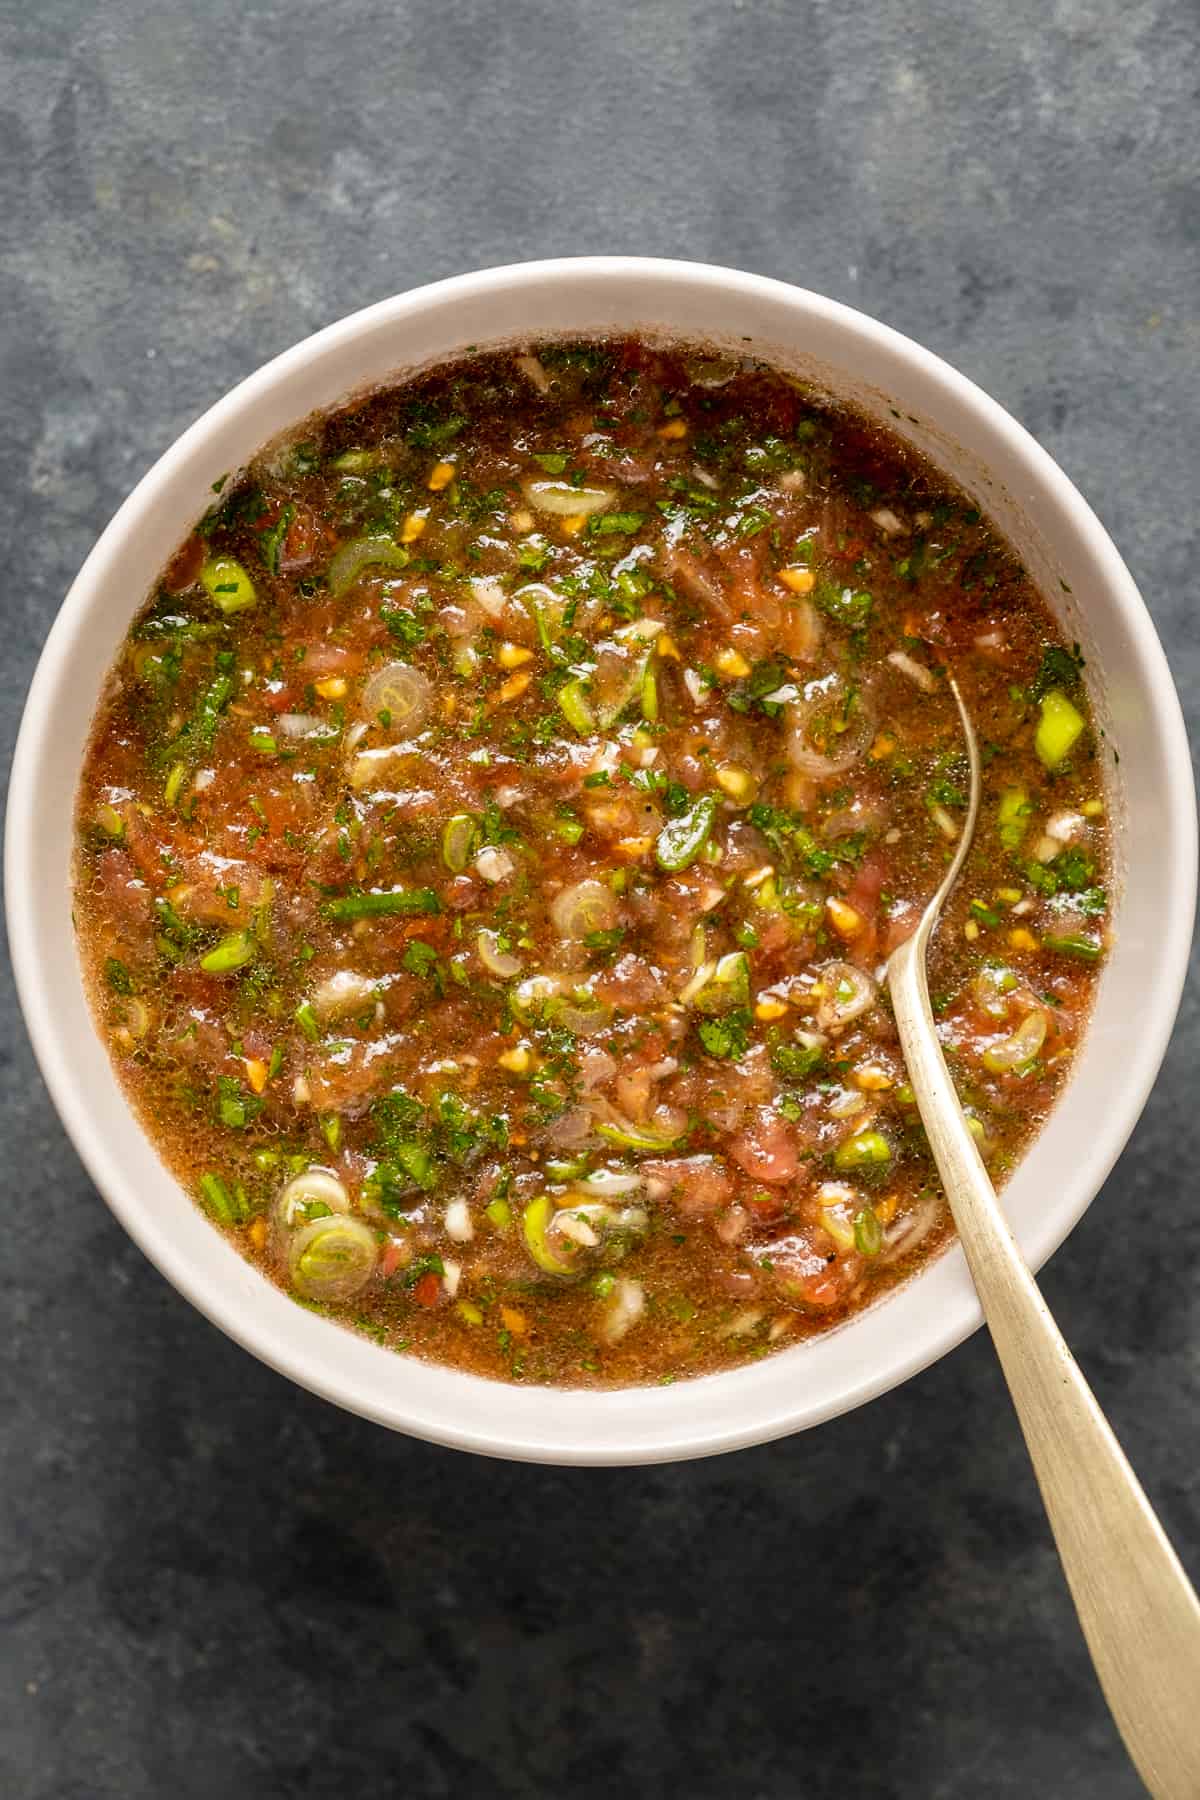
{"x": 1138, "y": 1610}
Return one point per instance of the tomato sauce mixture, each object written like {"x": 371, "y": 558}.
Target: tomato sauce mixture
{"x": 496, "y": 823}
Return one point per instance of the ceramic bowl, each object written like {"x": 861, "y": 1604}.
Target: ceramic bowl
{"x": 1151, "y": 799}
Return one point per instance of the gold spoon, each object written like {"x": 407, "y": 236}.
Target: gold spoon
{"x": 1138, "y": 1609}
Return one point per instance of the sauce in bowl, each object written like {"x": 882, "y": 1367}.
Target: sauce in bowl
{"x": 494, "y": 829}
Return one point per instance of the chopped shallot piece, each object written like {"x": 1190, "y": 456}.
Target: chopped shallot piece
{"x": 533, "y": 370}
{"x": 628, "y": 1304}
{"x": 494, "y": 864}
{"x": 1065, "y": 827}
{"x": 458, "y": 1222}
{"x": 742, "y": 1322}
{"x": 915, "y": 671}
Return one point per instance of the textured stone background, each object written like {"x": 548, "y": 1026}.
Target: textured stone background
{"x": 212, "y": 1584}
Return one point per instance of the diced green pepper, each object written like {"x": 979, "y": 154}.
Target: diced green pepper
{"x": 228, "y": 584}
{"x": 864, "y": 1151}
{"x": 217, "y": 1198}
{"x": 1013, "y": 817}
{"x": 306, "y": 1019}
{"x": 1059, "y": 728}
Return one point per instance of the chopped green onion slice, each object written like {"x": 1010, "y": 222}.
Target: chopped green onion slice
{"x": 573, "y": 704}
{"x": 218, "y": 1198}
{"x": 868, "y": 1232}
{"x": 864, "y": 1151}
{"x": 332, "y": 1258}
{"x": 350, "y": 559}
{"x": 233, "y": 952}
{"x": 460, "y": 840}
{"x": 567, "y": 1168}
{"x": 382, "y": 903}
{"x": 636, "y": 1137}
{"x": 534, "y": 1223}
{"x": 681, "y": 840}
{"x": 1075, "y": 943}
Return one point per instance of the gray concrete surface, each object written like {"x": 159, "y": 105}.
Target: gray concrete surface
{"x": 211, "y": 1584}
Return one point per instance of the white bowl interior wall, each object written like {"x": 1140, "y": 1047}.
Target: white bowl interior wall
{"x": 984, "y": 450}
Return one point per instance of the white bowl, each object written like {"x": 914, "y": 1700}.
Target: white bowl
{"x": 1152, "y": 796}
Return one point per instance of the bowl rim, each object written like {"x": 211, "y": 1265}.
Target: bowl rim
{"x": 686, "y": 1437}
